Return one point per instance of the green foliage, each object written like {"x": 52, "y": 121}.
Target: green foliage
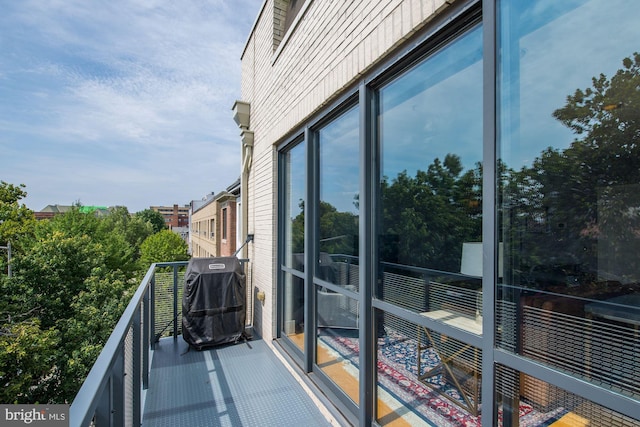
{"x": 73, "y": 277}
{"x": 154, "y": 218}
{"x": 164, "y": 246}
{"x": 587, "y": 194}
{"x": 96, "y": 310}
{"x": 28, "y": 371}
{"x": 133, "y": 227}
{"x": 16, "y": 220}
{"x": 338, "y": 231}
{"x": 297, "y": 231}
{"x": 54, "y": 272}
{"x": 426, "y": 218}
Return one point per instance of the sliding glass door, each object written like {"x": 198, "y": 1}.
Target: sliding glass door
{"x": 430, "y": 236}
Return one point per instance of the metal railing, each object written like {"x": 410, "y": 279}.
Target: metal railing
{"x": 113, "y": 392}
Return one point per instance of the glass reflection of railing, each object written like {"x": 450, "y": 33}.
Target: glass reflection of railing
{"x": 422, "y": 272}
{"x": 593, "y": 334}
{"x": 417, "y": 288}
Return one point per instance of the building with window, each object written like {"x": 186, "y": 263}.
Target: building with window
{"x": 51, "y": 211}
{"x": 174, "y": 216}
{"x": 213, "y": 224}
{"x": 445, "y": 203}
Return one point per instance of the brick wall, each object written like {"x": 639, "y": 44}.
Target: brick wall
{"x": 228, "y": 244}
{"x": 334, "y": 43}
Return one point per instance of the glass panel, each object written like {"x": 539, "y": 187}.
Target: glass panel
{"x": 293, "y": 164}
{"x": 425, "y": 378}
{"x": 293, "y": 216}
{"x": 430, "y": 226}
{"x": 569, "y": 190}
{"x": 337, "y": 352}
{"x": 293, "y": 318}
{"x": 338, "y": 209}
{"x": 527, "y": 400}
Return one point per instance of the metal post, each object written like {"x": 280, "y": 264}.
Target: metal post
{"x": 152, "y": 311}
{"x": 147, "y": 337}
{"x": 117, "y": 415}
{"x": 175, "y": 302}
{"x": 137, "y": 347}
{"x": 489, "y": 223}
{"x": 367, "y": 334}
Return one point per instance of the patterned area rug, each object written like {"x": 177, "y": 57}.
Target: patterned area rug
{"x": 397, "y": 377}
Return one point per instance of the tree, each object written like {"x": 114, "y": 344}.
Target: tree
{"x": 155, "y": 218}
{"x": 73, "y": 276}
{"x": 131, "y": 231}
{"x": 338, "y": 231}
{"x": 579, "y": 207}
{"x": 164, "y": 246}
{"x": 28, "y": 372}
{"x": 426, "y": 218}
{"x": 16, "y": 220}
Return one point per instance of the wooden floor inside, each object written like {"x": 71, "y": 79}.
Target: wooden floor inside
{"x": 336, "y": 369}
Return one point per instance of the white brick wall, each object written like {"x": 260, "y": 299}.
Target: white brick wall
{"x": 334, "y": 43}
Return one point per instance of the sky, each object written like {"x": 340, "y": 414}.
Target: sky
{"x": 121, "y": 102}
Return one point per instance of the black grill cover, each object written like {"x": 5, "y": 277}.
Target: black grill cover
{"x": 213, "y": 302}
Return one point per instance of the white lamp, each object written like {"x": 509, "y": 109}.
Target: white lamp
{"x": 471, "y": 262}
{"x": 471, "y": 265}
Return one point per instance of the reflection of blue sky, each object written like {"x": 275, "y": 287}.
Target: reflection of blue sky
{"x": 339, "y": 171}
{"x": 434, "y": 109}
{"x": 560, "y": 51}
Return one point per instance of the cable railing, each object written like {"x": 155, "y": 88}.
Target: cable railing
{"x": 113, "y": 392}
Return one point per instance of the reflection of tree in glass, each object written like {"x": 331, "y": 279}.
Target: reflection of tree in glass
{"x": 585, "y": 199}
{"x": 338, "y": 231}
{"x": 425, "y": 219}
{"x": 297, "y": 231}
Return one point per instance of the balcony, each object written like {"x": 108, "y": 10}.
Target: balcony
{"x": 147, "y": 375}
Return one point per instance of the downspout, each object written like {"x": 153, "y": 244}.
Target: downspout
{"x": 247, "y": 161}
{"x": 241, "y": 115}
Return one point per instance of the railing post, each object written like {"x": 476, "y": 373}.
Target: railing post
{"x": 152, "y": 314}
{"x": 102, "y": 416}
{"x": 136, "y": 349}
{"x": 117, "y": 378}
{"x": 175, "y": 302}
{"x": 146, "y": 340}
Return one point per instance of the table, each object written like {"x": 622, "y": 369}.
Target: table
{"x": 452, "y": 360}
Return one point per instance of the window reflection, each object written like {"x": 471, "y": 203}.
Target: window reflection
{"x": 293, "y": 285}
{"x": 431, "y": 177}
{"x": 338, "y": 207}
{"x": 430, "y": 237}
{"x": 569, "y": 190}
{"x": 338, "y": 314}
{"x": 337, "y": 351}
{"x": 294, "y": 181}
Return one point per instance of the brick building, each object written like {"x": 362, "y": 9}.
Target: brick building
{"x": 213, "y": 229}
{"x": 174, "y": 216}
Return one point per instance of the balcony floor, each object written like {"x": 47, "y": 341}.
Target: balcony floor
{"x": 231, "y": 385}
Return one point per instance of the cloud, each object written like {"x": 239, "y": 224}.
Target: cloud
{"x": 126, "y": 89}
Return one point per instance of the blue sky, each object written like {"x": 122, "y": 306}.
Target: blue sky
{"x": 120, "y": 102}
